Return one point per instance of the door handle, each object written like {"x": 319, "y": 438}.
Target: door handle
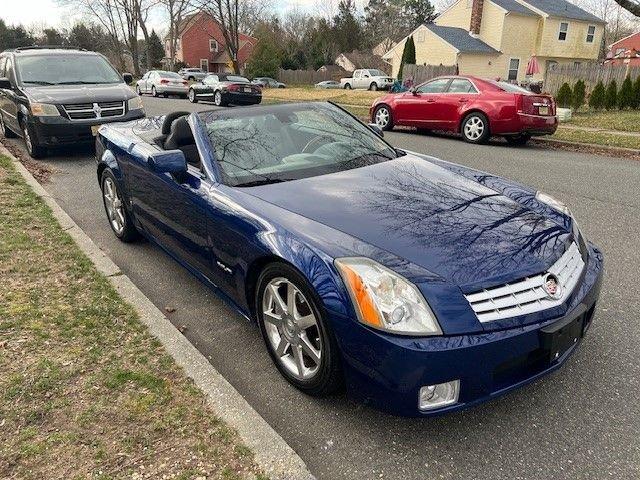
{"x": 431, "y": 100}
{"x": 463, "y": 100}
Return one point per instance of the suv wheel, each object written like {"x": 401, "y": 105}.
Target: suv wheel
{"x": 347, "y": 86}
{"x": 373, "y": 87}
{"x": 34, "y": 149}
{"x": 4, "y": 130}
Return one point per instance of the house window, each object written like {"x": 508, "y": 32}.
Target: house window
{"x": 591, "y": 33}
{"x": 564, "y": 28}
{"x": 514, "y": 66}
{"x": 204, "y": 64}
{"x": 213, "y": 45}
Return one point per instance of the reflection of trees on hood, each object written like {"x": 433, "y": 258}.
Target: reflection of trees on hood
{"x": 456, "y": 215}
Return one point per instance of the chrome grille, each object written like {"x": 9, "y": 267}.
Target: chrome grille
{"x": 528, "y": 295}
{"x": 88, "y": 111}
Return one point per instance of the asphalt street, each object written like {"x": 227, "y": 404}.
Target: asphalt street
{"x": 580, "y": 422}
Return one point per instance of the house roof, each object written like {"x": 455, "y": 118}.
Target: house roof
{"x": 565, "y": 9}
{"x": 460, "y": 39}
{"x": 514, "y": 7}
{"x": 628, "y": 37}
{"x": 361, "y": 59}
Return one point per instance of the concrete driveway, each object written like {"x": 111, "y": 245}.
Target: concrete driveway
{"x": 581, "y": 422}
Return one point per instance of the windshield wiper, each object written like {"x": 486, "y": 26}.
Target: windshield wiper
{"x": 38, "y": 82}
{"x": 262, "y": 181}
{"x": 80, "y": 82}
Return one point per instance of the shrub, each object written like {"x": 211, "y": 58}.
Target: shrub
{"x": 408, "y": 56}
{"x": 625, "y": 96}
{"x": 611, "y": 96}
{"x": 579, "y": 94}
{"x": 564, "y": 96}
{"x": 596, "y": 100}
{"x": 636, "y": 94}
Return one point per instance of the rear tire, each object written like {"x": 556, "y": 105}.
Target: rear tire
{"x": 218, "y": 100}
{"x": 193, "y": 97}
{"x": 138, "y": 91}
{"x": 320, "y": 376}
{"x": 5, "y": 131}
{"x": 475, "y": 128}
{"x": 191, "y": 79}
{"x": 154, "y": 92}
{"x": 518, "y": 140}
{"x": 373, "y": 87}
{"x": 347, "y": 86}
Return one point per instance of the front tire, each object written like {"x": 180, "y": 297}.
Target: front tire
{"x": 192, "y": 79}
{"x": 119, "y": 219}
{"x": 297, "y": 336}
{"x": 383, "y": 117}
{"x": 154, "y": 92}
{"x": 138, "y": 91}
{"x": 193, "y": 98}
{"x": 518, "y": 140}
{"x": 347, "y": 86}
{"x": 217, "y": 99}
{"x": 475, "y": 128}
{"x": 34, "y": 149}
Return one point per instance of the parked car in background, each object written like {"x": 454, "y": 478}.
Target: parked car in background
{"x": 368, "y": 78}
{"x": 53, "y": 96}
{"x": 192, "y": 74}
{"x": 423, "y": 286}
{"x": 161, "y": 82}
{"x": 474, "y": 107}
{"x": 225, "y": 89}
{"x": 328, "y": 84}
{"x": 267, "y": 82}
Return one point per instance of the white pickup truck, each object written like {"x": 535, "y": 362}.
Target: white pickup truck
{"x": 369, "y": 78}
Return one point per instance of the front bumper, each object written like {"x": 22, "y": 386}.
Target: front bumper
{"x": 387, "y": 371}
{"x": 59, "y": 131}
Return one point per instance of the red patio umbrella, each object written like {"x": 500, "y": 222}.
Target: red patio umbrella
{"x": 532, "y": 66}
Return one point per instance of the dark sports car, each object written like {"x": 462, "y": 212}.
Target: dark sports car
{"x": 421, "y": 285}
{"x": 225, "y": 89}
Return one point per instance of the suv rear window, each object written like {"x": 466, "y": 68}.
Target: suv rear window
{"x": 65, "y": 69}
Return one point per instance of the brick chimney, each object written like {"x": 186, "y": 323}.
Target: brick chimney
{"x": 476, "y": 17}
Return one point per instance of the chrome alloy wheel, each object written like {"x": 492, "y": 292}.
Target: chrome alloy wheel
{"x": 292, "y": 328}
{"x": 382, "y": 117}
{"x": 113, "y": 204}
{"x": 217, "y": 98}
{"x": 474, "y": 128}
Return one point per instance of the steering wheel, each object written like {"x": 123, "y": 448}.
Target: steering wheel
{"x": 315, "y": 140}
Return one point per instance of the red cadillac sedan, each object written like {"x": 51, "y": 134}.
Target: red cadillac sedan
{"x": 474, "y": 107}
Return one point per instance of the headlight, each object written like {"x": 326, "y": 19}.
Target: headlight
{"x": 553, "y": 203}
{"x": 385, "y": 300}
{"x": 44, "y": 110}
{"x": 135, "y": 103}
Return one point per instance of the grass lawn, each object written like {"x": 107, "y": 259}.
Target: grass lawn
{"x": 596, "y": 138}
{"x": 624, "y": 121}
{"x": 85, "y": 391}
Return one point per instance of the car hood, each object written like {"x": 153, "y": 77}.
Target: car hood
{"x": 454, "y": 227}
{"x": 79, "y": 93}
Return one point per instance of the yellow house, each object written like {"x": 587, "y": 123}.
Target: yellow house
{"x": 497, "y": 38}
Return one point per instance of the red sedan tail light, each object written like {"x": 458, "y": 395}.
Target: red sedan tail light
{"x": 536, "y": 105}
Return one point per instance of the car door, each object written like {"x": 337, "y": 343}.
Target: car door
{"x": 10, "y": 98}
{"x": 458, "y": 95}
{"x": 419, "y": 107}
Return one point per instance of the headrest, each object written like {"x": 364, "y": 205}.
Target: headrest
{"x": 169, "y": 119}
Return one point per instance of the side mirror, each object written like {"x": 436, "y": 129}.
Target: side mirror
{"x": 168, "y": 161}
{"x": 376, "y": 129}
{"x": 414, "y": 91}
{"x": 5, "y": 84}
{"x": 128, "y": 78}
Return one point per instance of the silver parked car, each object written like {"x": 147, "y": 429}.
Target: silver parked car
{"x": 328, "y": 84}
{"x": 192, "y": 74}
{"x": 160, "y": 82}
{"x": 267, "y": 82}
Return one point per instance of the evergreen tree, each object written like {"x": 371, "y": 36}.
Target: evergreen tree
{"x": 347, "y": 30}
{"x": 625, "y": 96}
{"x": 156, "y": 49}
{"x": 596, "y": 100}
{"x": 13, "y": 37}
{"x": 611, "y": 96}
{"x": 408, "y": 56}
{"x": 564, "y": 96}
{"x": 579, "y": 94}
{"x": 636, "y": 94}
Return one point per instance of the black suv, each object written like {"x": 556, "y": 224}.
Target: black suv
{"x": 55, "y": 96}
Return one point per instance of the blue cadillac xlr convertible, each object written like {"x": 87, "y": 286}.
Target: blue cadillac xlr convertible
{"x": 420, "y": 285}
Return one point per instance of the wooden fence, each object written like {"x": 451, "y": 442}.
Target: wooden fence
{"x": 590, "y": 73}
{"x": 304, "y": 77}
{"x": 422, "y": 73}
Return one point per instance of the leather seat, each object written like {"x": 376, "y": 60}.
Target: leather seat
{"x": 181, "y": 138}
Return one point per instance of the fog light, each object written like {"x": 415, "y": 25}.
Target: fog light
{"x": 440, "y": 395}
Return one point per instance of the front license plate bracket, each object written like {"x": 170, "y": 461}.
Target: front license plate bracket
{"x": 556, "y": 339}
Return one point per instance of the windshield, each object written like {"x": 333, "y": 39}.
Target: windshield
{"x": 377, "y": 73}
{"x": 65, "y": 70}
{"x": 509, "y": 87}
{"x": 289, "y": 142}
{"x": 169, "y": 75}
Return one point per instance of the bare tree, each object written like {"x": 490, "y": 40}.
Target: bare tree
{"x": 619, "y": 22}
{"x": 630, "y": 5}
{"x": 178, "y": 11}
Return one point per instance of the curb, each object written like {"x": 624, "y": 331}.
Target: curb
{"x": 594, "y": 146}
{"x": 271, "y": 453}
